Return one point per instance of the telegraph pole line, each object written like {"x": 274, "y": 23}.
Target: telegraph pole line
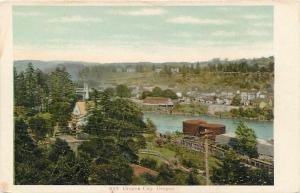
{"x": 206, "y": 159}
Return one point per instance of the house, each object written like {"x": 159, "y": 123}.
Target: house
{"x": 179, "y": 94}
{"x": 158, "y": 101}
{"x": 79, "y": 114}
{"x": 227, "y": 101}
{"x": 136, "y": 91}
{"x": 175, "y": 70}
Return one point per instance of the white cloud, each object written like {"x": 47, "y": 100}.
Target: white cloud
{"x": 27, "y": 14}
{"x": 141, "y": 12}
{"x": 224, "y": 34}
{"x": 255, "y": 17}
{"x": 74, "y": 19}
{"x": 193, "y": 20}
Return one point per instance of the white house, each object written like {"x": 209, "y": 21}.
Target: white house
{"x": 175, "y": 70}
{"x": 79, "y": 113}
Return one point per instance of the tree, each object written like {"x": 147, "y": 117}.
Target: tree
{"x": 29, "y": 160}
{"x": 123, "y": 91}
{"x": 236, "y": 101}
{"x": 116, "y": 126}
{"x": 69, "y": 170}
{"x": 62, "y": 95}
{"x": 41, "y": 125}
{"x": 170, "y": 176}
{"x": 245, "y": 141}
{"x": 192, "y": 178}
{"x": 156, "y": 92}
{"x": 169, "y": 94}
{"x": 111, "y": 173}
{"x": 59, "y": 148}
{"x": 19, "y": 89}
{"x": 110, "y": 92}
{"x": 31, "y": 86}
{"x": 230, "y": 171}
{"x": 149, "y": 163}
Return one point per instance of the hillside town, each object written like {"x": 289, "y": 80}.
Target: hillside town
{"x": 143, "y": 95}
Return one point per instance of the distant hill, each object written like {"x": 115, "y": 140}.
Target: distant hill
{"x": 48, "y": 66}
{"x": 74, "y": 67}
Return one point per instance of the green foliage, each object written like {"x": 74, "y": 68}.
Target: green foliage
{"x": 59, "y": 148}
{"x": 110, "y": 92}
{"x": 150, "y": 125}
{"x": 191, "y": 108}
{"x": 257, "y": 73}
{"x": 170, "y": 176}
{"x": 245, "y": 141}
{"x": 145, "y": 179}
{"x": 123, "y": 91}
{"x": 117, "y": 126}
{"x": 30, "y": 88}
{"x": 62, "y": 92}
{"x": 231, "y": 172}
{"x": 236, "y": 101}
{"x": 69, "y": 170}
{"x": 158, "y": 92}
{"x": 192, "y": 179}
{"x": 114, "y": 173}
{"x": 41, "y": 125}
{"x": 29, "y": 163}
{"x": 254, "y": 113}
{"x": 149, "y": 163}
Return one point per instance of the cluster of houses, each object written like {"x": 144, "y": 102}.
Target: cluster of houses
{"x": 133, "y": 69}
{"x": 253, "y": 97}
{"x": 260, "y": 99}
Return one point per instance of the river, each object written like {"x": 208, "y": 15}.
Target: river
{"x": 167, "y": 122}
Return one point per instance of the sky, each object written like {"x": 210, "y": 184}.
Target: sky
{"x": 138, "y": 34}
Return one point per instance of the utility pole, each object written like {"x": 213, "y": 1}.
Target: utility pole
{"x": 206, "y": 159}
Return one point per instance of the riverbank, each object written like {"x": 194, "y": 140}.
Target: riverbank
{"x": 202, "y": 114}
{"x": 166, "y": 122}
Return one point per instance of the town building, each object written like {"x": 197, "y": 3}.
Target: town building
{"x": 158, "y": 101}
{"x": 78, "y": 115}
{"x": 175, "y": 70}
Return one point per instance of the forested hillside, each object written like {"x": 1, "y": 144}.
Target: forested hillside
{"x": 215, "y": 74}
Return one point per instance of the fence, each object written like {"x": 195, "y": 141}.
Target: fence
{"x": 220, "y": 152}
